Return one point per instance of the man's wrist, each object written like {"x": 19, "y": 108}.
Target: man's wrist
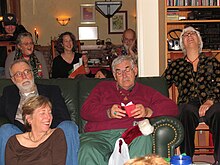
{"x": 149, "y": 112}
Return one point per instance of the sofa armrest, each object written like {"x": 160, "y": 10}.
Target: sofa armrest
{"x": 3, "y": 121}
{"x": 168, "y": 134}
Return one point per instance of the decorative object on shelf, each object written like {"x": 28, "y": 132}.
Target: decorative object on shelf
{"x": 88, "y": 33}
{"x": 36, "y": 36}
{"x": 118, "y": 23}
{"x": 173, "y": 39}
{"x": 63, "y": 21}
{"x": 87, "y": 13}
{"x": 108, "y": 8}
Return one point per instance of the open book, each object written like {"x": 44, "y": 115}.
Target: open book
{"x": 77, "y": 69}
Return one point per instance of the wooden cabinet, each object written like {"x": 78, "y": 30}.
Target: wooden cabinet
{"x": 204, "y": 18}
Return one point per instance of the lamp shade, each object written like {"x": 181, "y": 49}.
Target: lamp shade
{"x": 108, "y": 8}
{"x": 63, "y": 21}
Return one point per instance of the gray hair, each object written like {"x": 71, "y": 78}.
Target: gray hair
{"x": 16, "y": 62}
{"x": 120, "y": 59}
{"x": 22, "y": 35}
{"x": 199, "y": 37}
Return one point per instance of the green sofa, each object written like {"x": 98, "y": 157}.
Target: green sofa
{"x": 168, "y": 131}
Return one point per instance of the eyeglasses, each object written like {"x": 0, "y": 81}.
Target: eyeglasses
{"x": 191, "y": 33}
{"x": 27, "y": 44}
{"x": 19, "y": 74}
{"x": 126, "y": 70}
{"x": 128, "y": 39}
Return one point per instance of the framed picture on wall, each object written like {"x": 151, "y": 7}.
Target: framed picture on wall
{"x": 87, "y": 13}
{"x": 118, "y": 23}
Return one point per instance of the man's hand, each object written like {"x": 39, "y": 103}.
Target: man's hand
{"x": 85, "y": 59}
{"x": 140, "y": 111}
{"x": 85, "y": 62}
{"x": 205, "y": 107}
{"x": 116, "y": 112}
{"x": 131, "y": 48}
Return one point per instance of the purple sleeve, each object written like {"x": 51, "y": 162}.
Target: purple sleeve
{"x": 93, "y": 109}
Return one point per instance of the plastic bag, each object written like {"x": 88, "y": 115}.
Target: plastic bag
{"x": 120, "y": 154}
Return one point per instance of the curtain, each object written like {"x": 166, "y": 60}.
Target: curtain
{"x": 3, "y": 7}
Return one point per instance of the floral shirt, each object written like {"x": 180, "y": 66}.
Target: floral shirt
{"x": 203, "y": 84}
{"x": 119, "y": 50}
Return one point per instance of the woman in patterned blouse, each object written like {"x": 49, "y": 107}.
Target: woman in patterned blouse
{"x": 197, "y": 78}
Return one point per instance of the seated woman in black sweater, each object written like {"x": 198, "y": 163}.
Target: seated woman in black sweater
{"x": 68, "y": 60}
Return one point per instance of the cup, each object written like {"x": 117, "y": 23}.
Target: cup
{"x": 180, "y": 160}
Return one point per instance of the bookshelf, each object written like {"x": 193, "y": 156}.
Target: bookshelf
{"x": 207, "y": 21}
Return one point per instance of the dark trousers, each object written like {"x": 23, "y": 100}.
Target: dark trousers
{"x": 189, "y": 116}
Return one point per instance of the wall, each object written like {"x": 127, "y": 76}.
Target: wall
{"x": 42, "y": 15}
{"x": 151, "y": 42}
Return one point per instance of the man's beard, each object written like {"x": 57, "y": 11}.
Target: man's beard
{"x": 26, "y": 86}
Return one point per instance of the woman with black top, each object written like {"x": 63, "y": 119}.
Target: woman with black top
{"x": 197, "y": 78}
{"x": 68, "y": 60}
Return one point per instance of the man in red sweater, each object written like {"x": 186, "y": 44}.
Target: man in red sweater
{"x": 107, "y": 118}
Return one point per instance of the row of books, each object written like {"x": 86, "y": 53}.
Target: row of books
{"x": 193, "y": 2}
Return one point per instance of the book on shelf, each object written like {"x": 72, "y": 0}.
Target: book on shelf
{"x": 172, "y": 17}
{"x": 172, "y": 14}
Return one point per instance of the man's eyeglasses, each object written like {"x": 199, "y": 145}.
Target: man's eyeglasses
{"x": 128, "y": 39}
{"x": 120, "y": 72}
{"x": 19, "y": 74}
{"x": 191, "y": 33}
{"x": 27, "y": 43}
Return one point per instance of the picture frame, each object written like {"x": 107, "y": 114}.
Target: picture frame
{"x": 118, "y": 23}
{"x": 87, "y": 13}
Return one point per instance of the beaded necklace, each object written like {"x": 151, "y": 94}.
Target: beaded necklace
{"x": 35, "y": 141}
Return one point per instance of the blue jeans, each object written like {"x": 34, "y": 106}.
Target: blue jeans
{"x": 69, "y": 128}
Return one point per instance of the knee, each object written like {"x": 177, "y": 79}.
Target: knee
{"x": 8, "y": 130}
{"x": 6, "y": 126}
{"x": 88, "y": 147}
{"x": 68, "y": 126}
{"x": 70, "y": 130}
{"x": 214, "y": 110}
{"x": 187, "y": 110}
